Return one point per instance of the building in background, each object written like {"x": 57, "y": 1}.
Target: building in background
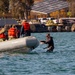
{"x": 49, "y": 8}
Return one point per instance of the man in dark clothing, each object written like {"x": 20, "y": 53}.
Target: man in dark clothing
{"x": 49, "y": 41}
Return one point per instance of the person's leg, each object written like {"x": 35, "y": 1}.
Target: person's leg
{"x": 50, "y": 50}
{"x": 27, "y": 33}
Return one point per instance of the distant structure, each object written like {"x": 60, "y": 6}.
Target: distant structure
{"x": 54, "y": 8}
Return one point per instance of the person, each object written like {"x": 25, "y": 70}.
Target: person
{"x": 50, "y": 42}
{"x": 25, "y": 29}
{"x": 6, "y": 27}
{"x": 2, "y": 35}
{"x": 12, "y": 32}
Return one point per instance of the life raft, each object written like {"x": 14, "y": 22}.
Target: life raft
{"x": 24, "y": 44}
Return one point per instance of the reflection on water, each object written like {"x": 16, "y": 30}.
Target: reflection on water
{"x": 40, "y": 62}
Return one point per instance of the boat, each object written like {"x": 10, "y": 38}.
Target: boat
{"x": 23, "y": 45}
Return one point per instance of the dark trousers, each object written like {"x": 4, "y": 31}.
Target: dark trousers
{"x": 27, "y": 33}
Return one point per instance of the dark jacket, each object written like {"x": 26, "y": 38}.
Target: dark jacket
{"x": 50, "y": 44}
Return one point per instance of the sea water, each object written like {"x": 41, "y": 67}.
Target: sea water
{"x": 39, "y": 62}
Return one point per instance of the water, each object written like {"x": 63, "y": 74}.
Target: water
{"x": 39, "y": 62}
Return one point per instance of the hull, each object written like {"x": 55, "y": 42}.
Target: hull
{"x": 25, "y": 44}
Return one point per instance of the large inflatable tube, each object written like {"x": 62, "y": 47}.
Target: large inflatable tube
{"x": 24, "y": 44}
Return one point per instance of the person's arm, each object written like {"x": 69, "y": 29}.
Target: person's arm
{"x": 43, "y": 41}
{"x": 49, "y": 47}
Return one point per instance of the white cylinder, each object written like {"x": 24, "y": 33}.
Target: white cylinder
{"x": 25, "y": 42}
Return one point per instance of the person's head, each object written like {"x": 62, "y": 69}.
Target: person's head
{"x": 13, "y": 26}
{"x": 23, "y": 21}
{"x": 48, "y": 35}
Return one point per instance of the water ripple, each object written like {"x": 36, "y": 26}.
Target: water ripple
{"x": 40, "y": 62}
